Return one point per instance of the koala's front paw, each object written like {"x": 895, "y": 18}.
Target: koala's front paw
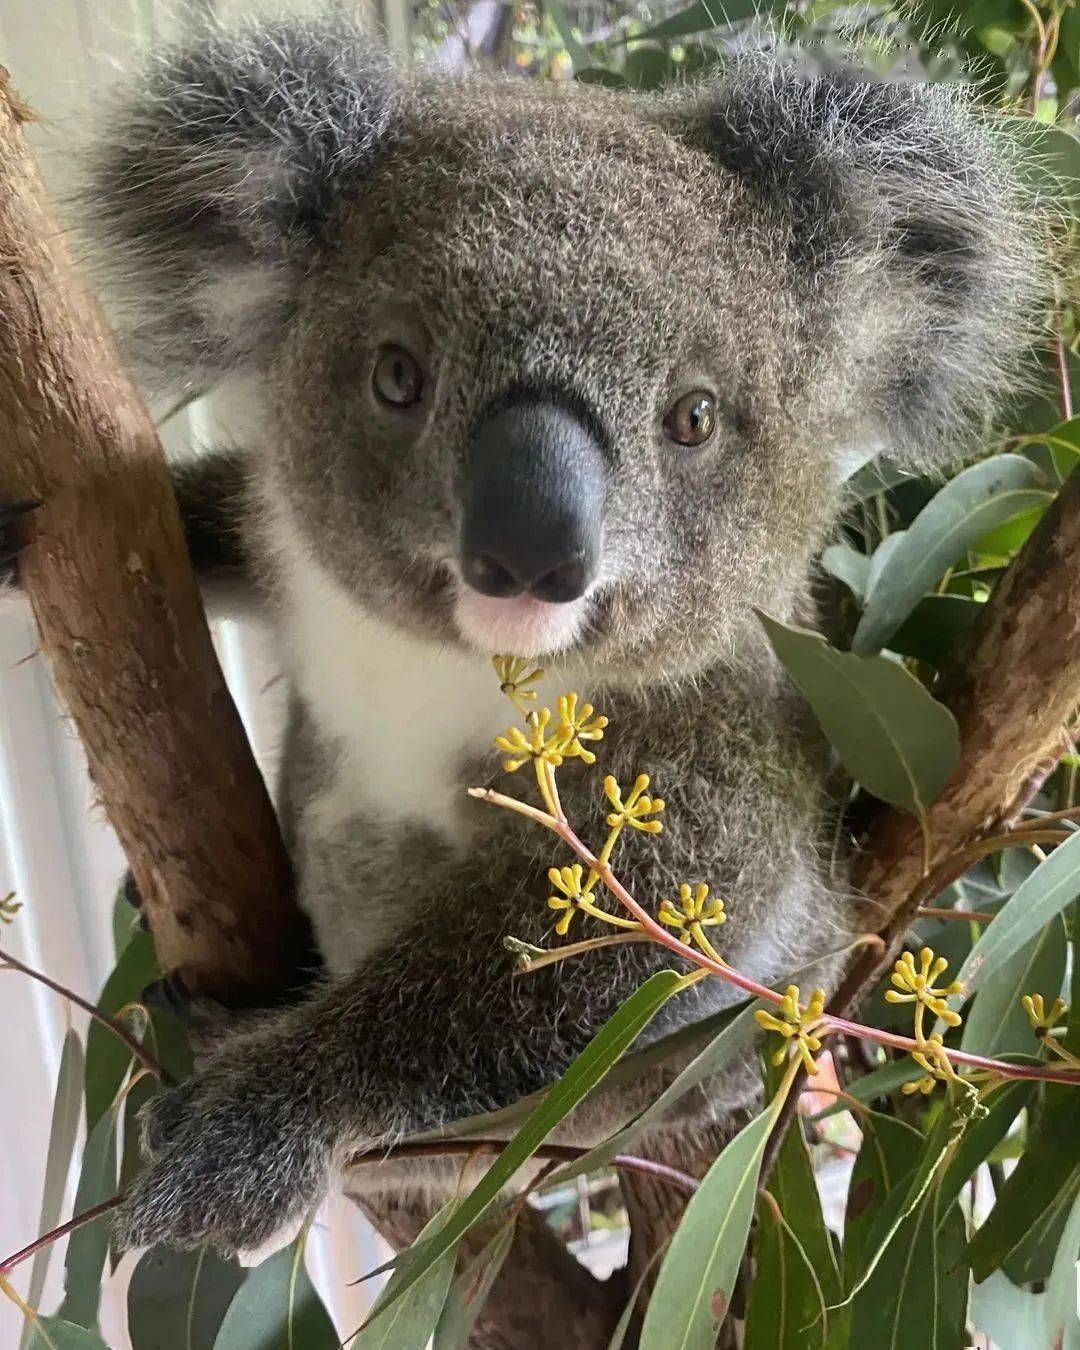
{"x": 11, "y": 538}
{"x": 232, "y": 1162}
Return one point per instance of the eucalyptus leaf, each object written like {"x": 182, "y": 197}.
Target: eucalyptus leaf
{"x": 66, "y": 1115}
{"x": 613, "y": 1038}
{"x": 890, "y": 733}
{"x": 880, "y": 557}
{"x": 403, "y": 1319}
{"x": 996, "y": 1022}
{"x": 1060, "y": 1313}
{"x": 1048, "y": 1170}
{"x": 1038, "y": 900}
{"x": 470, "y": 1289}
{"x": 107, "y": 1059}
{"x": 53, "y": 1333}
{"x": 976, "y": 500}
{"x": 796, "y": 1275}
{"x": 982, "y": 1136}
{"x": 877, "y": 476}
{"x": 1032, "y": 1259}
{"x": 570, "y": 40}
{"x": 735, "y": 1037}
{"x": 934, "y": 629}
{"x": 700, "y": 17}
{"x": 1007, "y": 1315}
{"x": 918, "y": 1295}
{"x": 888, "y": 1156}
{"x": 88, "y": 1246}
{"x": 178, "y": 1300}
{"x": 278, "y": 1308}
{"x": 694, "y": 1287}
{"x": 848, "y": 565}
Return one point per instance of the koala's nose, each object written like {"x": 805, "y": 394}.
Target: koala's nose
{"x": 534, "y": 504}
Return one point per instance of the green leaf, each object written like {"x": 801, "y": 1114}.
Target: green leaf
{"x": 892, "y": 736}
{"x": 695, "y": 1283}
{"x": 469, "y": 1291}
{"x": 1009, "y": 1316}
{"x": 1032, "y": 1259}
{"x": 934, "y": 629}
{"x": 125, "y": 923}
{"x": 404, "y": 1318}
{"x": 731, "y": 1041}
{"x": 918, "y": 1294}
{"x": 53, "y": 1333}
{"x": 1061, "y": 1319}
{"x": 570, "y": 39}
{"x": 88, "y": 1246}
{"x": 647, "y": 68}
{"x": 982, "y": 1136}
{"x": 178, "y": 1300}
{"x": 278, "y": 1308}
{"x": 700, "y": 17}
{"x": 1048, "y": 1171}
{"x": 1046, "y": 892}
{"x": 996, "y": 1022}
{"x": 1009, "y": 538}
{"x": 617, "y": 1034}
{"x": 848, "y": 565}
{"x": 975, "y": 501}
{"x": 888, "y": 1157}
{"x": 66, "y": 1115}
{"x": 107, "y": 1059}
{"x": 877, "y": 476}
{"x": 796, "y": 1275}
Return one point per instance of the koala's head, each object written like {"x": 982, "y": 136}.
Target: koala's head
{"x": 552, "y": 368}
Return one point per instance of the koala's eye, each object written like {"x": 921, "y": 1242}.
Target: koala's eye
{"x": 397, "y": 379}
{"x": 692, "y": 420}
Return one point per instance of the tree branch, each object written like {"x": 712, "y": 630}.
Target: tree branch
{"x": 120, "y": 617}
{"x": 1012, "y": 686}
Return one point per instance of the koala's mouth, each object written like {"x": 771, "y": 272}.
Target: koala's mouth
{"x": 521, "y": 625}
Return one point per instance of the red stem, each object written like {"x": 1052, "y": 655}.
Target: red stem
{"x": 905, "y": 1043}
{"x": 144, "y": 1057}
{"x": 46, "y": 1239}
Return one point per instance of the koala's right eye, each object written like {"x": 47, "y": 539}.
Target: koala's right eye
{"x": 397, "y": 378}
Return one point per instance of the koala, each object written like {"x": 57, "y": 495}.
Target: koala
{"x": 554, "y": 371}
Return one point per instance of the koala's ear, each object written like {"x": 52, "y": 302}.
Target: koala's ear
{"x": 906, "y": 229}
{"x": 213, "y": 178}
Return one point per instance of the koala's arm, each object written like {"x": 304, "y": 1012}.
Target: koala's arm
{"x": 210, "y": 492}
{"x": 433, "y": 1030}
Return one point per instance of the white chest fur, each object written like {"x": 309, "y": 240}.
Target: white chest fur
{"x": 403, "y": 712}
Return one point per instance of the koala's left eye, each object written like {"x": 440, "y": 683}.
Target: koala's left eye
{"x": 397, "y": 379}
{"x": 692, "y": 419}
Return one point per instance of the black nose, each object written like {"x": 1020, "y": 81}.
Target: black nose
{"x": 534, "y": 504}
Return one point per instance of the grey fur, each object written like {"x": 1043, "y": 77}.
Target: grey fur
{"x": 843, "y": 265}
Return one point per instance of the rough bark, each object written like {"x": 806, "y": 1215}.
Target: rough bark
{"x": 121, "y": 620}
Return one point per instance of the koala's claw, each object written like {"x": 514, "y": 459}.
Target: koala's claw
{"x": 229, "y": 1163}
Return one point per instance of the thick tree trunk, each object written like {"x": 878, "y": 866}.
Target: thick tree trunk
{"x": 121, "y": 620}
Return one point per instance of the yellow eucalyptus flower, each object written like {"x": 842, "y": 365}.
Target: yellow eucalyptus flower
{"x": 799, "y": 1026}
{"x": 537, "y": 745}
{"x": 918, "y": 985}
{"x": 636, "y": 809}
{"x": 578, "y": 725}
{"x": 1040, "y": 1019}
{"x": 515, "y": 678}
